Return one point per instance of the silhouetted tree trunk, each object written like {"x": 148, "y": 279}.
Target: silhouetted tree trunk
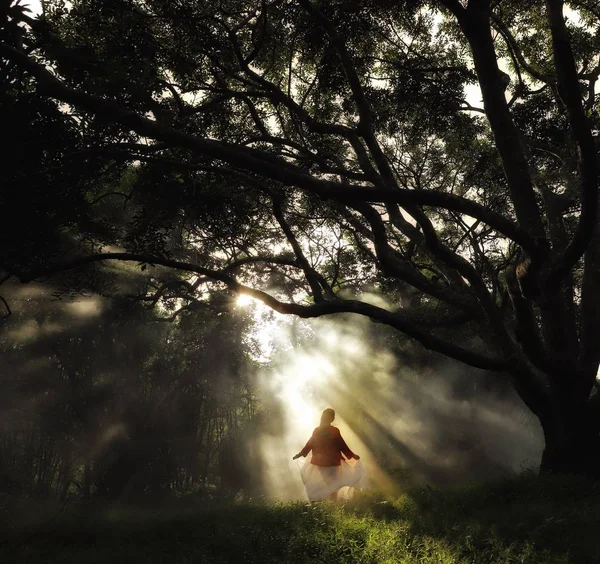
{"x": 87, "y": 480}
{"x": 572, "y": 443}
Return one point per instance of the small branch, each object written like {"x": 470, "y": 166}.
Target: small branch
{"x": 180, "y": 103}
{"x": 309, "y": 272}
{"x": 468, "y": 108}
{"x": 266, "y": 259}
{"x": 545, "y": 147}
{"x": 126, "y": 197}
{"x": 8, "y": 310}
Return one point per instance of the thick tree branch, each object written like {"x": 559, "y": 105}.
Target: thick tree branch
{"x": 465, "y": 269}
{"x": 589, "y": 354}
{"x": 525, "y": 382}
{"x": 453, "y": 6}
{"x": 284, "y": 261}
{"x": 476, "y": 27}
{"x": 526, "y": 330}
{"x": 262, "y": 164}
{"x": 569, "y": 88}
{"x": 8, "y": 311}
{"x": 393, "y": 319}
{"x": 394, "y": 265}
{"x": 417, "y": 238}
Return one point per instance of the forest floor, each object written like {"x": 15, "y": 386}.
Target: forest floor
{"x": 525, "y": 520}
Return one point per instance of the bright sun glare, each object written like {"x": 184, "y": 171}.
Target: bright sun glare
{"x": 244, "y": 300}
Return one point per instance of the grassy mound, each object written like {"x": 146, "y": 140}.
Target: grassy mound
{"x": 525, "y": 520}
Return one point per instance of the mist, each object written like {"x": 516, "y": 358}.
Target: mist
{"x": 433, "y": 422}
{"x": 103, "y": 400}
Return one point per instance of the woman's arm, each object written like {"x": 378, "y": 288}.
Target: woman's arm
{"x": 307, "y": 448}
{"x": 346, "y": 450}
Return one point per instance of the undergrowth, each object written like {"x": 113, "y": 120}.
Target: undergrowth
{"x": 525, "y": 520}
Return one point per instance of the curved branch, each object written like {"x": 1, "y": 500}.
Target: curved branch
{"x": 250, "y": 260}
{"x": 126, "y": 197}
{"x": 477, "y": 30}
{"x": 394, "y": 265}
{"x": 8, "y": 310}
{"x": 395, "y": 320}
{"x": 515, "y": 51}
{"x": 417, "y": 238}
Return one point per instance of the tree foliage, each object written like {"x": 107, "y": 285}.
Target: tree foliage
{"x": 307, "y": 153}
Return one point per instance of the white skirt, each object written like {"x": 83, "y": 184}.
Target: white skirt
{"x": 321, "y": 481}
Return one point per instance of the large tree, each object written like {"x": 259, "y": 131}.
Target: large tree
{"x": 342, "y": 130}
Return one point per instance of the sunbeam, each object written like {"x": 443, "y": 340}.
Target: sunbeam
{"x": 402, "y": 423}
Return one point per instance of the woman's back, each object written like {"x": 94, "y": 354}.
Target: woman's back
{"x": 327, "y": 446}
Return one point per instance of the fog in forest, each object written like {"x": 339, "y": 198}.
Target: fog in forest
{"x": 439, "y": 423}
{"x": 101, "y": 400}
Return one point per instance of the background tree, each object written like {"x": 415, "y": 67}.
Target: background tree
{"x": 342, "y": 130}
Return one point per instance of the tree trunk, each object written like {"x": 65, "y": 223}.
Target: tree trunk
{"x": 572, "y": 447}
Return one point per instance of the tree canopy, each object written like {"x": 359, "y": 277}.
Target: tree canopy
{"x": 311, "y": 154}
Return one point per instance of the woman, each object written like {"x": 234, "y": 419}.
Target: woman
{"x": 327, "y": 471}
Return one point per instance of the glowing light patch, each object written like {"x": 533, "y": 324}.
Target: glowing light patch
{"x": 85, "y": 308}
{"x": 35, "y": 6}
{"x": 244, "y": 300}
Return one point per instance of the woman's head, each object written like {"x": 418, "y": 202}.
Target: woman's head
{"x": 327, "y": 416}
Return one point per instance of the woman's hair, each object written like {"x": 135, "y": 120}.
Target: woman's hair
{"x": 327, "y": 416}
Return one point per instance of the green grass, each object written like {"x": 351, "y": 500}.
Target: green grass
{"x": 523, "y": 520}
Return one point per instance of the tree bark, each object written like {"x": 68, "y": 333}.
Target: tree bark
{"x": 477, "y": 29}
{"x": 572, "y": 442}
